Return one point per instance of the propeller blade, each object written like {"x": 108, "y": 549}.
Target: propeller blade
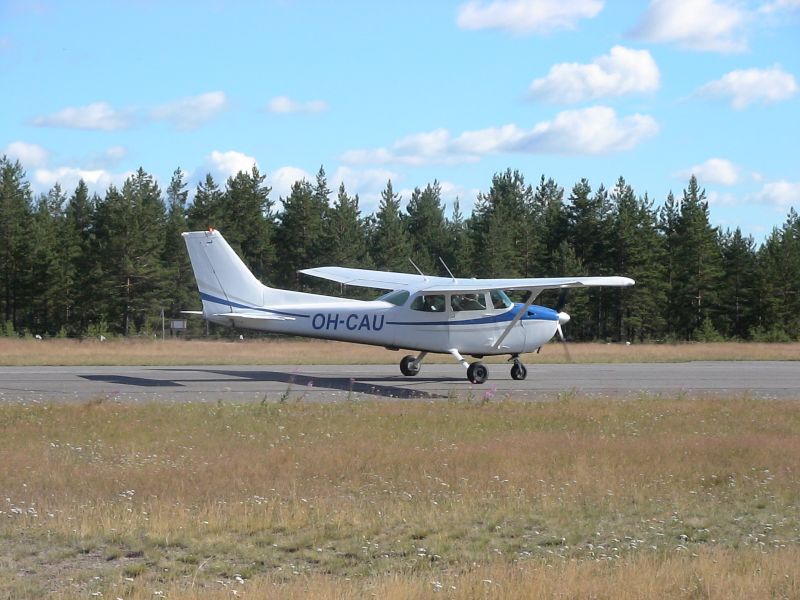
{"x": 563, "y": 318}
{"x": 562, "y": 300}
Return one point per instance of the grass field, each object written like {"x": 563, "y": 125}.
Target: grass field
{"x": 20, "y": 352}
{"x": 654, "y": 497}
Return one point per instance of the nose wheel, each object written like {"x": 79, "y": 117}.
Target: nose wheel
{"x": 518, "y": 370}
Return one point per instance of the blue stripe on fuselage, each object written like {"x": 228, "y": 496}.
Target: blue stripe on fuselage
{"x": 225, "y": 302}
{"x": 534, "y": 313}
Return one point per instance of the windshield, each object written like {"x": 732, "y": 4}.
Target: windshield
{"x": 500, "y": 300}
{"x": 398, "y": 297}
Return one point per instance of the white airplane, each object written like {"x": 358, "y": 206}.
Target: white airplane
{"x": 421, "y": 313}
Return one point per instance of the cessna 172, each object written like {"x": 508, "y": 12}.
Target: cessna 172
{"x": 444, "y": 315}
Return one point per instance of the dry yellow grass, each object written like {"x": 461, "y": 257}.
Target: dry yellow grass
{"x": 649, "y": 498}
{"x": 19, "y": 352}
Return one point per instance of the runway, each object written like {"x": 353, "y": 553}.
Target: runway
{"x": 321, "y": 383}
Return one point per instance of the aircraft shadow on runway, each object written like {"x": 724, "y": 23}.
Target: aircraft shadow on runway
{"x": 293, "y": 381}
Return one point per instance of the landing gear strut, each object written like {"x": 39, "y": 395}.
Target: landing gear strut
{"x": 476, "y": 372}
{"x": 410, "y": 365}
{"x": 518, "y": 370}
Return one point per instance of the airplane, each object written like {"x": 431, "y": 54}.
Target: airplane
{"x": 425, "y": 314}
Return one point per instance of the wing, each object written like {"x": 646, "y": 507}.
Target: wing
{"x": 386, "y": 280}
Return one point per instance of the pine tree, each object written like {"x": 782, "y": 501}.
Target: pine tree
{"x": 15, "y": 243}
{"x": 739, "y": 298}
{"x": 637, "y": 252}
{"x": 78, "y": 249}
{"x": 345, "y": 235}
{"x": 246, "y": 220}
{"x": 427, "y": 227}
{"x": 206, "y": 209}
{"x": 458, "y": 250}
{"x": 390, "y": 244}
{"x": 180, "y": 291}
{"x": 503, "y": 237}
{"x": 300, "y": 234}
{"x": 698, "y": 268}
{"x": 130, "y": 239}
{"x": 52, "y": 281}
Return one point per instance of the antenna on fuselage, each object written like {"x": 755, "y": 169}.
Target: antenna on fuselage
{"x": 417, "y": 268}
{"x": 446, "y": 268}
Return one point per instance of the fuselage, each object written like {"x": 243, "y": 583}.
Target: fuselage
{"x": 414, "y": 321}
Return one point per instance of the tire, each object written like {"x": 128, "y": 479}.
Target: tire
{"x": 477, "y": 372}
{"x": 518, "y": 371}
{"x": 407, "y": 366}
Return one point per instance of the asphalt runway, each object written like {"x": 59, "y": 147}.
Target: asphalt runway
{"x": 779, "y": 380}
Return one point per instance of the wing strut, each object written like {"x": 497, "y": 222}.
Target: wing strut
{"x": 517, "y": 317}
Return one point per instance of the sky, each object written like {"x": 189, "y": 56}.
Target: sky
{"x": 412, "y": 91}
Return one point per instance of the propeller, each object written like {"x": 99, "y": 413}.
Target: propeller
{"x": 563, "y": 319}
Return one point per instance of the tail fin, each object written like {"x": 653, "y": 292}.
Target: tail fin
{"x": 224, "y": 281}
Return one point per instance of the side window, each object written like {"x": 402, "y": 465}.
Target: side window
{"x": 500, "y": 300}
{"x": 461, "y": 302}
{"x": 428, "y": 303}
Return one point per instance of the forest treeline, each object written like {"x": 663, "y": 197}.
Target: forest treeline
{"x": 74, "y": 263}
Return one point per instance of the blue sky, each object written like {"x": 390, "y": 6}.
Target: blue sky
{"x": 413, "y": 91}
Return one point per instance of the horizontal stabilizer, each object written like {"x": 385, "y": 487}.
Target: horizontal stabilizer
{"x": 192, "y": 312}
{"x": 253, "y": 317}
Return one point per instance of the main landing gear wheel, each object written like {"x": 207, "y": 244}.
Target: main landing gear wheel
{"x": 518, "y": 371}
{"x": 409, "y": 366}
{"x": 477, "y": 372}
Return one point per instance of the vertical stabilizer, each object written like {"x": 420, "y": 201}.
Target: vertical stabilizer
{"x": 224, "y": 281}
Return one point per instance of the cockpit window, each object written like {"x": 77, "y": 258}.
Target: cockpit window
{"x": 428, "y": 303}
{"x": 500, "y": 300}
{"x": 461, "y": 302}
{"x": 398, "y": 298}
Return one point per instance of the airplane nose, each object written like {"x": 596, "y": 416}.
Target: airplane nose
{"x": 563, "y": 318}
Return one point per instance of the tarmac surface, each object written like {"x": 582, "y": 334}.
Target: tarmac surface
{"x": 321, "y": 383}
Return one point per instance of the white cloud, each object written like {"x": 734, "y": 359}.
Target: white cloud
{"x": 748, "y": 86}
{"x": 621, "y": 71}
{"x": 706, "y": 25}
{"x": 781, "y": 194}
{"x": 285, "y": 105}
{"x": 191, "y": 112}
{"x": 222, "y": 165}
{"x": 68, "y": 177}
{"x": 282, "y": 179}
{"x": 29, "y": 155}
{"x": 98, "y": 115}
{"x": 779, "y": 5}
{"x": 593, "y": 130}
{"x": 526, "y": 16}
{"x": 716, "y": 198}
{"x": 714, "y": 170}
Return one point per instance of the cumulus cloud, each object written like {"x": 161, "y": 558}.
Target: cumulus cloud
{"x": 191, "y": 112}
{"x": 714, "y": 170}
{"x": 621, "y": 71}
{"x": 282, "y": 179}
{"x": 285, "y": 105}
{"x": 778, "y": 6}
{"x": 526, "y": 16}
{"x": 749, "y": 86}
{"x": 29, "y": 155}
{"x": 781, "y": 194}
{"x": 68, "y": 177}
{"x": 593, "y": 130}
{"x": 97, "y": 116}
{"x": 222, "y": 165}
{"x": 705, "y": 25}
